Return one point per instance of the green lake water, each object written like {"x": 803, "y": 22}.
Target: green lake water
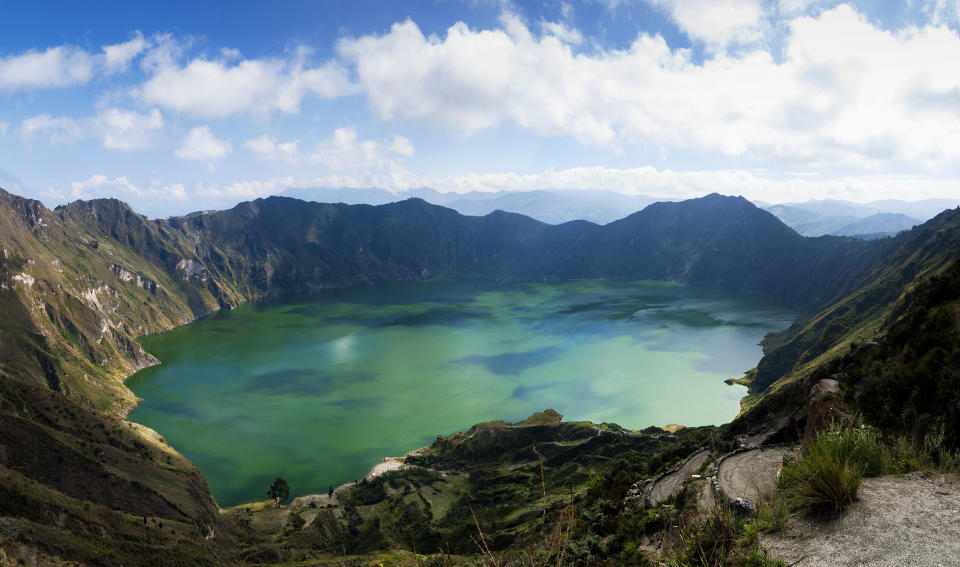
{"x": 318, "y": 389}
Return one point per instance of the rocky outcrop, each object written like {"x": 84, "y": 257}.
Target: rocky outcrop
{"x": 825, "y": 408}
{"x": 125, "y": 275}
{"x": 189, "y": 268}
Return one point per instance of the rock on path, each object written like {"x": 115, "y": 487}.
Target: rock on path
{"x": 671, "y": 483}
{"x": 749, "y": 474}
{"x": 911, "y": 520}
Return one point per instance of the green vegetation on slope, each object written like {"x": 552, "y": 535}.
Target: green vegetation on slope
{"x": 908, "y": 381}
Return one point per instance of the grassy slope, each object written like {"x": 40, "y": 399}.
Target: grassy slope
{"x": 79, "y": 296}
{"x": 869, "y": 309}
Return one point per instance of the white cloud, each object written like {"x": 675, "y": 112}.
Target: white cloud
{"x": 717, "y": 22}
{"x": 117, "y": 57}
{"x": 117, "y": 129}
{"x": 796, "y": 7}
{"x": 401, "y": 146}
{"x": 562, "y": 32}
{"x": 64, "y": 65}
{"x": 56, "y": 130}
{"x": 269, "y": 148}
{"x": 56, "y": 67}
{"x": 102, "y": 186}
{"x": 844, "y": 93}
{"x": 946, "y": 12}
{"x": 128, "y": 129}
{"x": 4, "y": 126}
{"x": 342, "y": 160}
{"x": 201, "y": 145}
{"x": 355, "y": 162}
{"x": 165, "y": 50}
{"x": 246, "y": 190}
{"x": 207, "y": 88}
{"x": 230, "y": 53}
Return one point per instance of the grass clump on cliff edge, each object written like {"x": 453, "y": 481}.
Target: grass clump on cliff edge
{"x": 826, "y": 477}
{"x": 719, "y": 537}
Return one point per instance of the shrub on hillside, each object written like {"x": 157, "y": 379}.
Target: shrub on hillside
{"x": 826, "y": 477}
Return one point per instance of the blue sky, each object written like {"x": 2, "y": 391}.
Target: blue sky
{"x": 179, "y": 106}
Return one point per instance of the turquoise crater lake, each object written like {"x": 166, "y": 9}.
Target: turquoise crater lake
{"x": 318, "y": 389}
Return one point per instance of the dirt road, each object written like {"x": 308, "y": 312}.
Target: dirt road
{"x": 671, "y": 483}
{"x": 749, "y": 474}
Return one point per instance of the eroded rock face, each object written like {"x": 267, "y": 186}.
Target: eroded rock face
{"x": 129, "y": 276}
{"x": 189, "y": 268}
{"x": 825, "y": 407}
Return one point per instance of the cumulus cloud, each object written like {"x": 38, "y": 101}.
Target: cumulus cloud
{"x": 401, "y": 146}
{"x": 355, "y": 162}
{"x": 840, "y": 95}
{"x": 128, "y": 129}
{"x": 201, "y": 145}
{"x": 717, "y": 23}
{"x": 246, "y": 189}
{"x": 56, "y": 130}
{"x": 562, "y": 32}
{"x": 217, "y": 88}
{"x": 102, "y": 186}
{"x": 268, "y": 148}
{"x": 945, "y": 12}
{"x": 65, "y": 65}
{"x": 795, "y": 7}
{"x": 118, "y": 57}
{"x": 118, "y": 129}
{"x": 344, "y": 158}
{"x": 55, "y": 67}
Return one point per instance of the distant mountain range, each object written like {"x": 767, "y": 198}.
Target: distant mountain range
{"x": 864, "y": 220}
{"x": 549, "y": 206}
{"x": 811, "y": 218}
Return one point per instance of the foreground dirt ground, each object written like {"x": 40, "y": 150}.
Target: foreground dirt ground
{"x": 910, "y": 520}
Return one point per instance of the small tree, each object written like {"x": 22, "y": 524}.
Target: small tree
{"x": 279, "y": 490}
{"x": 330, "y": 492}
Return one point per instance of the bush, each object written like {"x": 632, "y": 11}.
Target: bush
{"x": 827, "y": 476}
{"x": 860, "y": 445}
{"x": 772, "y": 512}
{"x": 712, "y": 538}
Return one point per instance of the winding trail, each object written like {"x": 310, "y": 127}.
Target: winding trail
{"x": 751, "y": 473}
{"x": 671, "y": 483}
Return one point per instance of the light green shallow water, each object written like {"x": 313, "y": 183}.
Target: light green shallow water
{"x": 318, "y": 389}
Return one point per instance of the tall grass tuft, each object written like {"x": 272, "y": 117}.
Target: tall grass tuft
{"x": 826, "y": 478}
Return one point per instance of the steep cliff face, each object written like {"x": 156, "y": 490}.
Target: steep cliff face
{"x": 282, "y": 245}
{"x": 869, "y": 305}
{"x": 78, "y": 285}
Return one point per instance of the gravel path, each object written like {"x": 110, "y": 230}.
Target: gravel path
{"x": 671, "y": 483}
{"x": 749, "y": 474}
{"x": 911, "y": 520}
